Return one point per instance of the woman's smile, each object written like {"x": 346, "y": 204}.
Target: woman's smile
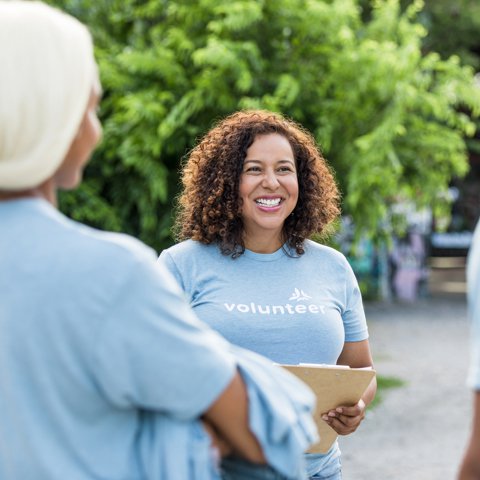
{"x": 269, "y": 203}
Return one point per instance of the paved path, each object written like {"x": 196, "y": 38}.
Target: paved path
{"x": 419, "y": 431}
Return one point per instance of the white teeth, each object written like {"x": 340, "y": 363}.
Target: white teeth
{"x": 268, "y": 202}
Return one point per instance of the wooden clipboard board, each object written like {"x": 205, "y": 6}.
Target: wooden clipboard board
{"x": 333, "y": 386}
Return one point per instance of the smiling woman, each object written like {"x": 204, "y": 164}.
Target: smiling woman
{"x": 255, "y": 150}
{"x": 255, "y": 188}
{"x": 268, "y": 191}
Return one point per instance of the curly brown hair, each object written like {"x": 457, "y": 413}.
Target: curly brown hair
{"x": 209, "y": 207}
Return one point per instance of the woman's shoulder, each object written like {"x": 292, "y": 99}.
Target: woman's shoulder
{"x": 190, "y": 248}
{"x": 112, "y": 248}
{"x": 324, "y": 252}
{"x": 187, "y": 258}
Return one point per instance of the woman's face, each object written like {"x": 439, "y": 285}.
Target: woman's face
{"x": 69, "y": 174}
{"x": 268, "y": 188}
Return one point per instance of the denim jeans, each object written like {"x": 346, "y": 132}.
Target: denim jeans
{"x": 236, "y": 469}
{"x": 332, "y": 470}
{"x": 329, "y": 475}
{"x": 335, "y": 476}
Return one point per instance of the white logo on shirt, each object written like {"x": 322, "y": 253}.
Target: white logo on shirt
{"x": 274, "y": 309}
{"x": 299, "y": 295}
{"x": 281, "y": 309}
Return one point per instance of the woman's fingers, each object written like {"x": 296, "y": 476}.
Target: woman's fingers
{"x": 345, "y": 420}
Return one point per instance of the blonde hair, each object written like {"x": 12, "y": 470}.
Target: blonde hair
{"x": 48, "y": 70}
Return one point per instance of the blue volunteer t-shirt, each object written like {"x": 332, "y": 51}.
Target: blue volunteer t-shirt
{"x": 292, "y": 309}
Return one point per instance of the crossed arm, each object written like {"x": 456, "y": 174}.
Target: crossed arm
{"x": 227, "y": 423}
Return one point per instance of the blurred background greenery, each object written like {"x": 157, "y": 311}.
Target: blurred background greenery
{"x": 387, "y": 88}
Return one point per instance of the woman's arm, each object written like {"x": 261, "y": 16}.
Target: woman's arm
{"x": 470, "y": 468}
{"x": 345, "y": 420}
{"x": 228, "y": 415}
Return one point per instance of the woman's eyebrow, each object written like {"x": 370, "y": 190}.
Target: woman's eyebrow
{"x": 261, "y": 161}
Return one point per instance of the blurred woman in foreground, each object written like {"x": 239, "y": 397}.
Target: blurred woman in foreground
{"x": 104, "y": 370}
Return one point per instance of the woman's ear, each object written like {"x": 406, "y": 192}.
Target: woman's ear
{"x": 89, "y": 133}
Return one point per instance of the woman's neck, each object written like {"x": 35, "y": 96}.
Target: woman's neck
{"x": 46, "y": 190}
{"x": 264, "y": 243}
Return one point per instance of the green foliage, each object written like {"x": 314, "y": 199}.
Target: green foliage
{"x": 390, "y": 119}
{"x": 453, "y": 28}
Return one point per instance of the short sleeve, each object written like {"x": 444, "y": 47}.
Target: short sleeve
{"x": 166, "y": 260}
{"x": 154, "y": 353}
{"x": 354, "y": 315}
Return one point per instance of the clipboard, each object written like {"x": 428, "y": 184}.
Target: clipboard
{"x": 333, "y": 385}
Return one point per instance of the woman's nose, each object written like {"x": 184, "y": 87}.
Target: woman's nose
{"x": 270, "y": 180}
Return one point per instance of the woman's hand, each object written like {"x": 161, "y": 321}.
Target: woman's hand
{"x": 218, "y": 442}
{"x": 345, "y": 420}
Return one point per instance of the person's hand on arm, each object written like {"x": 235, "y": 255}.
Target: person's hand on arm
{"x": 228, "y": 417}
{"x": 346, "y": 419}
{"x": 470, "y": 467}
{"x": 222, "y": 447}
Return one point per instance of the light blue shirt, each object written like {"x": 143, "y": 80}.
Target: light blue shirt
{"x": 291, "y": 309}
{"x": 473, "y": 296}
{"x": 91, "y": 335}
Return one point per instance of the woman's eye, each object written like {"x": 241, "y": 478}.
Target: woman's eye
{"x": 253, "y": 169}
